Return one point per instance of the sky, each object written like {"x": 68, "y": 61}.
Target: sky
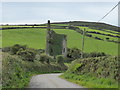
{"x": 40, "y": 12}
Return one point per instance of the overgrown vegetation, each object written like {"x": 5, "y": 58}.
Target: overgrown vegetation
{"x": 97, "y": 72}
{"x": 20, "y": 64}
{"x": 14, "y": 73}
{"x": 60, "y": 59}
{"x": 75, "y": 53}
{"x": 43, "y": 58}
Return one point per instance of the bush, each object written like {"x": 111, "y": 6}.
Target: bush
{"x": 98, "y": 38}
{"x": 6, "y": 49}
{"x": 60, "y": 59}
{"x": 39, "y": 51}
{"x": 68, "y": 60}
{"x": 45, "y": 58}
{"x": 14, "y": 74}
{"x": 107, "y": 38}
{"x": 74, "y": 53}
{"x": 97, "y": 54}
{"x": 14, "y": 49}
{"x": 28, "y": 55}
{"x": 94, "y": 54}
{"x": 105, "y": 67}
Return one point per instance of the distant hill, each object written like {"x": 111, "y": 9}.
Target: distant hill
{"x": 91, "y": 25}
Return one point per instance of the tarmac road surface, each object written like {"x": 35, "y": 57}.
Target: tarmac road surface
{"x": 50, "y": 81}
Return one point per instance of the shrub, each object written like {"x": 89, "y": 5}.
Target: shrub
{"x": 37, "y": 57}
{"x": 68, "y": 60}
{"x": 28, "y": 55}
{"x": 94, "y": 54}
{"x": 45, "y": 58}
{"x": 60, "y": 59}
{"x": 74, "y": 53}
{"x": 14, "y": 74}
{"x": 97, "y": 54}
{"x": 89, "y": 35}
{"x": 6, "y": 49}
{"x": 39, "y": 51}
{"x": 107, "y": 38}
{"x": 98, "y": 38}
{"x": 105, "y": 67}
{"x": 14, "y": 49}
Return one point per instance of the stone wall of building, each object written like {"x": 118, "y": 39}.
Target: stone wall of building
{"x": 56, "y": 44}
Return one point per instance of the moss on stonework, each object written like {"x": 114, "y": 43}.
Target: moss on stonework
{"x": 55, "y": 43}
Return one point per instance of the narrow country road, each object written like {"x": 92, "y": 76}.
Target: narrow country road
{"x": 50, "y": 81}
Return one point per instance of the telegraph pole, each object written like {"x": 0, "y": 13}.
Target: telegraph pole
{"x": 47, "y": 37}
{"x": 83, "y": 43}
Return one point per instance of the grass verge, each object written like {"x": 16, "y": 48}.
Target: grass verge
{"x": 90, "y": 81}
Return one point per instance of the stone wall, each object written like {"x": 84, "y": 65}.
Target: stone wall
{"x": 56, "y": 44}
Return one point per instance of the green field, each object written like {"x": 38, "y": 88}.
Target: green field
{"x": 104, "y": 37}
{"x": 18, "y": 26}
{"x": 36, "y": 38}
{"x": 101, "y": 31}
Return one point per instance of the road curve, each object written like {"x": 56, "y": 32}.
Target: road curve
{"x": 50, "y": 81}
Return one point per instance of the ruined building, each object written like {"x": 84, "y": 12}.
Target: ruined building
{"x": 56, "y": 44}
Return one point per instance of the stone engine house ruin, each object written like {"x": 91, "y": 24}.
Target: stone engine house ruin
{"x": 56, "y": 44}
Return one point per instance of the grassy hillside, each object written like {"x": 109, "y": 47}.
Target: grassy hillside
{"x": 36, "y": 38}
{"x": 99, "y": 72}
{"x": 32, "y": 37}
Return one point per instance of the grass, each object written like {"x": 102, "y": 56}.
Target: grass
{"x": 75, "y": 40}
{"x": 111, "y": 31}
{"x": 36, "y": 38}
{"x": 104, "y": 37}
{"x": 32, "y": 37}
{"x": 105, "y": 31}
{"x": 5, "y": 26}
{"x": 90, "y": 81}
{"x": 100, "y": 31}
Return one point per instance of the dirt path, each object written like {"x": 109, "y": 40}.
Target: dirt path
{"x": 50, "y": 81}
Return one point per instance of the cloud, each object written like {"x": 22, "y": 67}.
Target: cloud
{"x": 41, "y": 12}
